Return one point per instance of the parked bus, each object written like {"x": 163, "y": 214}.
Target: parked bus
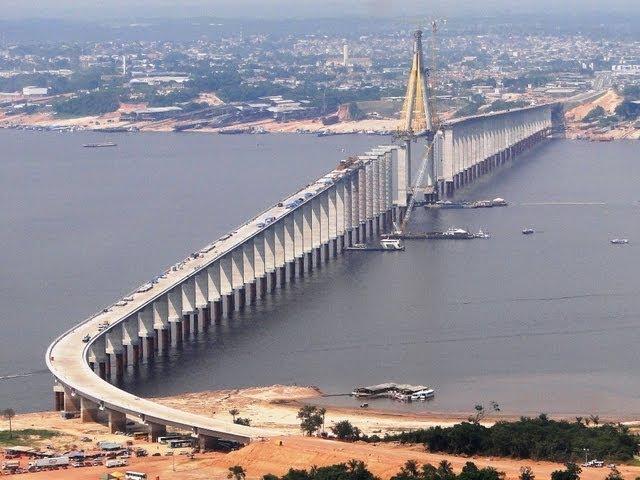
{"x": 135, "y": 476}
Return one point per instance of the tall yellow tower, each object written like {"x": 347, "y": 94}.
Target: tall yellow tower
{"x": 417, "y": 118}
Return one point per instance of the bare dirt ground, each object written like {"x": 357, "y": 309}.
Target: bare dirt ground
{"x": 609, "y": 101}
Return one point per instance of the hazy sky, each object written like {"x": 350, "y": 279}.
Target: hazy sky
{"x": 79, "y": 9}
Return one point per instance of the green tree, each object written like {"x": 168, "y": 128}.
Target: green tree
{"x": 237, "y": 473}
{"x": 526, "y": 473}
{"x": 8, "y": 415}
{"x": 357, "y": 470}
{"x": 594, "y": 114}
{"x": 344, "y": 430}
{"x": 92, "y": 103}
{"x": 311, "y": 418}
{"x": 243, "y": 421}
{"x": 571, "y": 472}
{"x": 628, "y": 110}
{"x": 614, "y": 474}
{"x": 481, "y": 412}
{"x": 445, "y": 470}
{"x": 234, "y": 412}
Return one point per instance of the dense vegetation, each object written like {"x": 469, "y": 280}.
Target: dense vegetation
{"x": 536, "y": 438}
{"x": 499, "y": 105}
{"x": 357, "y": 470}
{"x": 594, "y": 114}
{"x": 56, "y": 83}
{"x": 92, "y": 103}
{"x": 24, "y": 437}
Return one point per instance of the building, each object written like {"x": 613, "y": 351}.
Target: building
{"x": 32, "y": 91}
{"x": 157, "y": 80}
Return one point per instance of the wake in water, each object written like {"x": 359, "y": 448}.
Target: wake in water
{"x": 543, "y": 299}
{"x": 22, "y": 375}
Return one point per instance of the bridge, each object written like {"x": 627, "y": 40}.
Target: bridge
{"x": 355, "y": 202}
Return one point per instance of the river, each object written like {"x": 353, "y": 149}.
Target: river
{"x": 540, "y": 323}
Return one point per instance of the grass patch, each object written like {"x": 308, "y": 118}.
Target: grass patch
{"x": 27, "y": 436}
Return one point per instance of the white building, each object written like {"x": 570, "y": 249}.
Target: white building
{"x": 34, "y": 91}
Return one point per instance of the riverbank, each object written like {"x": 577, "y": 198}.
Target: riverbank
{"x": 576, "y": 128}
{"x": 112, "y": 121}
{"x": 275, "y": 407}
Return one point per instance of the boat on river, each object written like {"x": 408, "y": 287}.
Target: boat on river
{"x": 100, "y": 145}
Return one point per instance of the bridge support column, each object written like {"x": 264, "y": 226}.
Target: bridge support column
{"x": 217, "y": 310}
{"x": 272, "y": 280}
{"x": 281, "y": 275}
{"x": 299, "y": 266}
{"x": 241, "y": 298}
{"x": 204, "y": 318}
{"x": 71, "y": 402}
{"x": 176, "y": 333}
{"x": 186, "y": 325}
{"x": 117, "y": 421}
{"x": 58, "y": 399}
{"x": 206, "y": 442}
{"x": 261, "y": 286}
{"x": 102, "y": 370}
{"x": 291, "y": 267}
{"x": 251, "y": 290}
{"x": 149, "y": 348}
{"x": 163, "y": 341}
{"x": 195, "y": 319}
{"x": 119, "y": 361}
{"x": 308, "y": 261}
{"x": 135, "y": 355}
{"x": 88, "y": 411}
{"x": 156, "y": 430}
{"x": 228, "y": 302}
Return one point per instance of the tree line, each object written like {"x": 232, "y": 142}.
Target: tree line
{"x": 537, "y": 438}
{"x": 411, "y": 470}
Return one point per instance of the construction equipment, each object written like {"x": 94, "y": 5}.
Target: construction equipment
{"x": 412, "y": 198}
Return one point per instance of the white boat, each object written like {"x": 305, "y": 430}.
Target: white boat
{"x": 481, "y": 234}
{"x": 619, "y": 241}
{"x": 457, "y": 233}
{"x": 423, "y": 394}
{"x": 391, "y": 244}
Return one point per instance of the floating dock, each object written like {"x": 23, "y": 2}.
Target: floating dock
{"x": 449, "y": 205}
{"x": 374, "y": 248}
{"x": 458, "y": 235}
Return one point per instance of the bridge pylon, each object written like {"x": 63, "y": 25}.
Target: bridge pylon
{"x": 418, "y": 115}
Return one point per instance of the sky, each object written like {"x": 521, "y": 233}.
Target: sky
{"x": 273, "y": 9}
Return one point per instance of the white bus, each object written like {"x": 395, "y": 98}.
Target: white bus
{"x": 135, "y": 476}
